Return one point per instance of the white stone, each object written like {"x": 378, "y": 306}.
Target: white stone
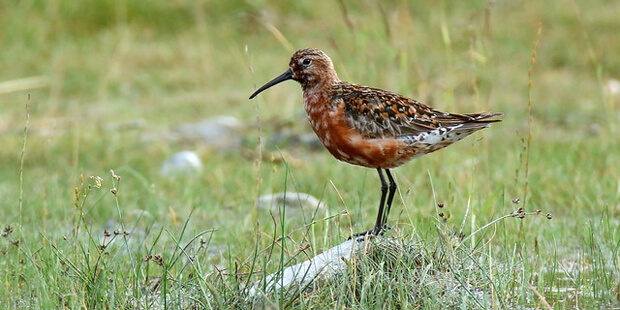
{"x": 322, "y": 266}
{"x": 294, "y": 202}
{"x": 612, "y": 87}
{"x": 181, "y": 163}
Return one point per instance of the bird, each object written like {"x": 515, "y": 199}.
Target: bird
{"x": 372, "y": 127}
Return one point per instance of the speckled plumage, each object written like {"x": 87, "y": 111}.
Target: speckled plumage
{"x": 372, "y": 127}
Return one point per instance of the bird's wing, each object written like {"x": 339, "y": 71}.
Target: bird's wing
{"x": 377, "y": 113}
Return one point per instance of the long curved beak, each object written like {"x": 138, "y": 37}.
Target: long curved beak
{"x": 283, "y": 77}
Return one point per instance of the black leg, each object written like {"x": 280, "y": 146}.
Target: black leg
{"x": 379, "y": 224}
{"x": 393, "y": 187}
{"x": 380, "y": 217}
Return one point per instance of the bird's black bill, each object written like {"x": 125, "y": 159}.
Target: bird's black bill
{"x": 283, "y": 77}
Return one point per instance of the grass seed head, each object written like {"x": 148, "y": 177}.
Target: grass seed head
{"x": 159, "y": 259}
{"x": 115, "y": 176}
{"x": 7, "y": 231}
{"x": 98, "y": 180}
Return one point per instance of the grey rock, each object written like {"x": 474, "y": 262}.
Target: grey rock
{"x": 221, "y": 132}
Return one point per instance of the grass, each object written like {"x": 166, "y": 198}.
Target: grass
{"x": 78, "y": 236}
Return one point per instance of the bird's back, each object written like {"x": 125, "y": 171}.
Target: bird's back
{"x": 378, "y": 113}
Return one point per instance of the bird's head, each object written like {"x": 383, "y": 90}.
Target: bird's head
{"x": 310, "y": 67}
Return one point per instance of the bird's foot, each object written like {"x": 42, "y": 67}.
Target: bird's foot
{"x": 376, "y": 231}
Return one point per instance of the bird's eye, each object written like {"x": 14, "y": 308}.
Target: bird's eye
{"x": 306, "y": 62}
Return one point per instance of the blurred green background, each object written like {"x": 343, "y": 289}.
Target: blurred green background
{"x": 89, "y": 64}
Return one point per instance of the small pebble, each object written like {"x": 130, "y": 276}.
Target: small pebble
{"x": 181, "y": 163}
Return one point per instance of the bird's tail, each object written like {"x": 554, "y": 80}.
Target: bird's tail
{"x": 480, "y": 120}
{"x": 468, "y": 121}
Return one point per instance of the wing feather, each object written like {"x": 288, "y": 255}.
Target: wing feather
{"x": 377, "y": 113}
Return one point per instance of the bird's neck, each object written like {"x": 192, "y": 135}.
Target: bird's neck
{"x": 319, "y": 86}
{"x": 315, "y": 93}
